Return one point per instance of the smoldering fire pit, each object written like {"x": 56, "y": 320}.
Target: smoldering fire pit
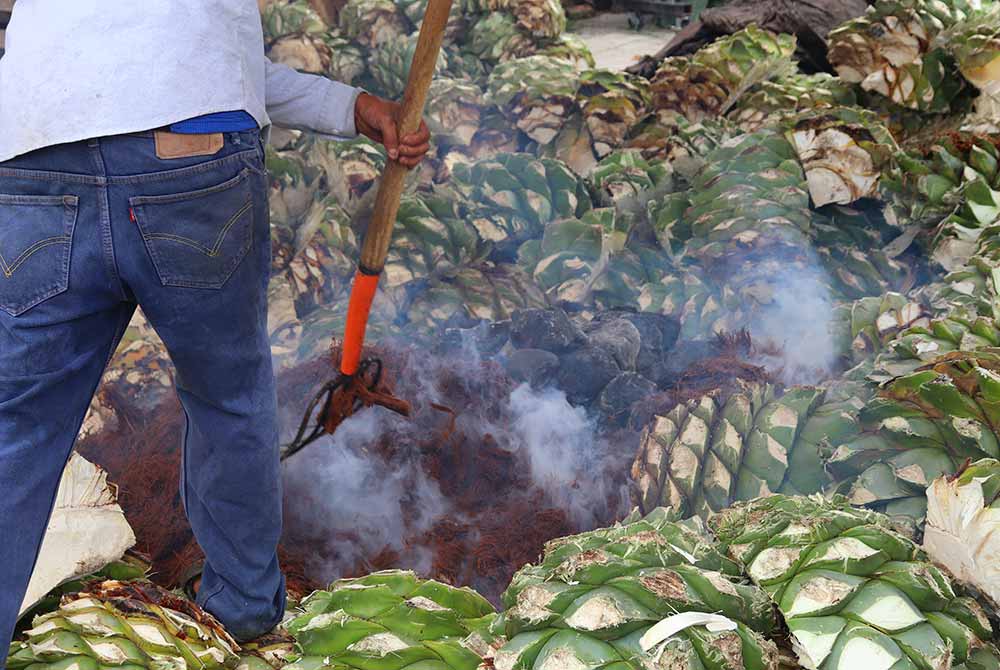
{"x": 468, "y": 490}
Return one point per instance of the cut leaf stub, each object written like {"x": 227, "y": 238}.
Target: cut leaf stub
{"x": 963, "y": 527}
{"x": 87, "y": 530}
{"x": 133, "y": 624}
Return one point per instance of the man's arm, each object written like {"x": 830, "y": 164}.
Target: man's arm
{"x": 310, "y": 102}
{"x": 338, "y": 111}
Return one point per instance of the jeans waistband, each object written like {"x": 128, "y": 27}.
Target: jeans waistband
{"x": 243, "y": 134}
{"x": 129, "y": 158}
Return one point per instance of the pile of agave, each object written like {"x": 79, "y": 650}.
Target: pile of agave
{"x": 782, "y": 526}
{"x": 782, "y": 581}
{"x": 695, "y": 195}
{"x": 554, "y": 183}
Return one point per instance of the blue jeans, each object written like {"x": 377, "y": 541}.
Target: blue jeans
{"x": 88, "y": 231}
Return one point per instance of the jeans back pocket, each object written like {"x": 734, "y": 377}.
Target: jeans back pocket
{"x": 197, "y": 239}
{"x": 36, "y": 240}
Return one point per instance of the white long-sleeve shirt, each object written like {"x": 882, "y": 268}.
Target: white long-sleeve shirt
{"x": 77, "y": 69}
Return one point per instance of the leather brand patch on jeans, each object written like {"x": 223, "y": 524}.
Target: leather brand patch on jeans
{"x": 180, "y": 145}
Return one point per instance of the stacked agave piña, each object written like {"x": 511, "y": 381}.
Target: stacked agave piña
{"x": 744, "y": 226}
{"x": 454, "y": 110}
{"x": 770, "y": 101}
{"x": 867, "y": 326}
{"x": 853, "y": 247}
{"x": 611, "y": 103}
{"x": 958, "y": 330}
{"x": 975, "y": 44}
{"x": 431, "y": 238}
{"x": 892, "y": 51}
{"x": 280, "y": 19}
{"x": 686, "y": 293}
{"x": 843, "y": 152}
{"x": 593, "y": 599}
{"x": 963, "y": 310}
{"x": 927, "y": 185}
{"x": 439, "y": 268}
{"x": 511, "y": 197}
{"x": 667, "y": 135}
{"x": 391, "y": 619}
{"x": 709, "y": 82}
{"x": 625, "y": 175}
{"x": 854, "y": 593}
{"x": 313, "y": 185}
{"x": 706, "y": 454}
{"x": 951, "y": 188}
{"x": 588, "y": 262}
{"x": 495, "y": 37}
{"x": 390, "y": 65}
{"x": 124, "y": 624}
{"x": 415, "y": 10}
{"x": 504, "y": 30}
{"x": 975, "y": 285}
{"x": 606, "y": 106}
{"x": 130, "y": 567}
{"x": 370, "y": 43}
{"x": 350, "y": 168}
{"x": 919, "y": 427}
{"x": 963, "y": 527}
{"x": 536, "y": 93}
{"x": 435, "y": 243}
{"x": 485, "y": 291}
{"x": 298, "y": 37}
{"x": 372, "y": 23}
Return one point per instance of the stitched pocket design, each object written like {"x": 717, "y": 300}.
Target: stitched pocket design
{"x": 197, "y": 239}
{"x": 36, "y": 240}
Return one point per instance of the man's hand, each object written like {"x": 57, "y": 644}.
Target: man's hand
{"x": 378, "y": 119}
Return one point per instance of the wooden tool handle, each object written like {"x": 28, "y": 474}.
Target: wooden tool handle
{"x": 376, "y": 245}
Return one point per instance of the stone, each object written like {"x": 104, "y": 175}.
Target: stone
{"x": 621, "y": 393}
{"x": 584, "y": 373}
{"x": 620, "y": 338}
{"x": 487, "y": 338}
{"x": 657, "y": 333}
{"x": 667, "y": 369}
{"x": 534, "y": 366}
{"x": 491, "y": 337}
{"x": 548, "y": 329}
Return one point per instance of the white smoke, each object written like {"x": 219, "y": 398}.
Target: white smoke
{"x": 566, "y": 457}
{"x": 799, "y": 323}
{"x": 353, "y": 491}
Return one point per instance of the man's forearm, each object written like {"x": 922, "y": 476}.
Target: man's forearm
{"x": 310, "y": 102}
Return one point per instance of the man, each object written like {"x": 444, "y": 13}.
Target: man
{"x": 132, "y": 173}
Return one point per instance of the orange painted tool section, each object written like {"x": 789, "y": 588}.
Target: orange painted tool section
{"x": 362, "y": 295}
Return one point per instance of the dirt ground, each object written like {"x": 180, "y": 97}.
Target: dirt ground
{"x": 614, "y": 44}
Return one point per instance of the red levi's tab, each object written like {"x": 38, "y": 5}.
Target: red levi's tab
{"x": 131, "y": 215}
